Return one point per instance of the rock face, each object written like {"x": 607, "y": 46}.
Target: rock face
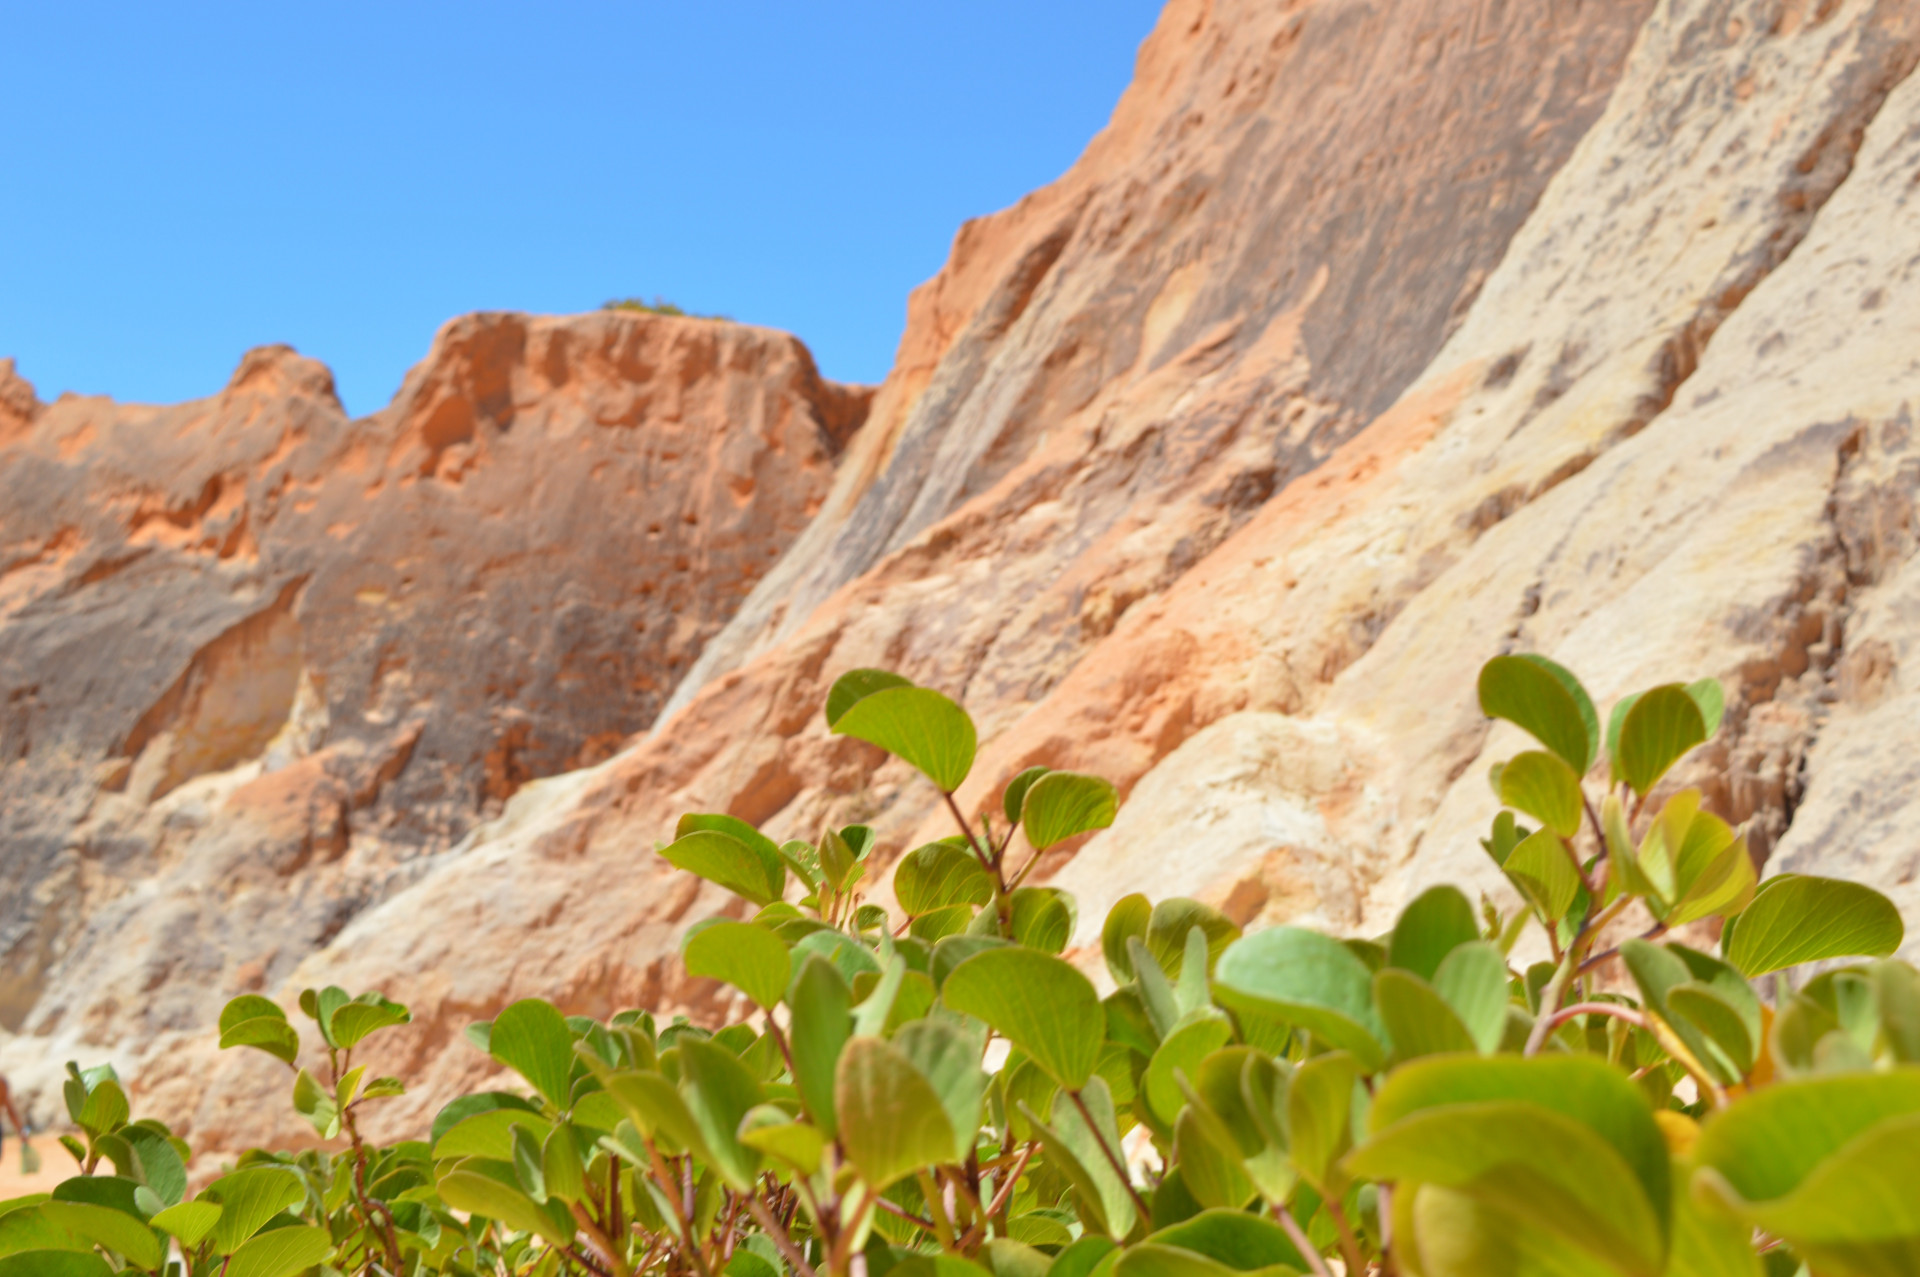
{"x": 1367, "y": 342}
{"x": 259, "y": 659}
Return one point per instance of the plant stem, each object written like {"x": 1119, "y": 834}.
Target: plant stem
{"x": 1549, "y": 1003}
{"x": 1113, "y": 1157}
{"x": 1301, "y": 1242}
{"x": 1000, "y": 1198}
{"x": 1613, "y": 1009}
{"x": 1349, "y": 1244}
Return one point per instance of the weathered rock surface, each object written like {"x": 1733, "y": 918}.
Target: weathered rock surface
{"x": 260, "y": 659}
{"x": 1368, "y": 341}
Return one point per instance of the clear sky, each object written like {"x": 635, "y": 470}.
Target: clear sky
{"x": 182, "y": 182}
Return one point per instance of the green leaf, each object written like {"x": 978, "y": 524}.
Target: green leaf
{"x": 158, "y": 1163}
{"x": 1042, "y": 917}
{"x": 822, "y": 1022}
{"x": 1060, "y": 805}
{"x": 1473, "y": 981}
{"x": 1319, "y": 1118}
{"x": 848, "y": 956}
{"x": 1583, "y": 1091}
{"x": 1239, "y": 1241}
{"x": 322, "y": 1005}
{"x": 106, "y": 1108}
{"x": 366, "y": 1013}
{"x": 891, "y": 1120}
{"x": 856, "y": 685}
{"x": 1712, "y": 700}
{"x": 1127, "y": 919}
{"x": 189, "y": 1221}
{"x": 488, "y": 1134}
{"x": 1210, "y": 1164}
{"x": 1016, "y": 792}
{"x": 718, "y": 1092}
{"x": 940, "y": 875}
{"x": 655, "y": 1108}
{"x": 1662, "y": 725}
{"x": 1439, "y": 1232}
{"x": 741, "y": 868}
{"x": 744, "y": 955}
{"x": 561, "y": 1167}
{"x": 1038, "y": 1002}
{"x": 531, "y": 1038}
{"x": 271, "y": 1034}
{"x": 1544, "y": 787}
{"x": 799, "y": 1144}
{"x": 1719, "y": 1021}
{"x": 280, "y": 1253}
{"x": 1306, "y": 979}
{"x": 1542, "y": 870}
{"x": 1797, "y": 919}
{"x": 486, "y": 1188}
{"x": 1896, "y": 998}
{"x": 1417, "y": 1019}
{"x": 1183, "y": 1049}
{"x": 918, "y": 725}
{"x": 1828, "y": 1163}
{"x": 248, "y": 1199}
{"x": 950, "y": 1061}
{"x": 1546, "y": 1168}
{"x": 733, "y": 827}
{"x": 1075, "y": 1148}
{"x": 1544, "y": 700}
{"x": 54, "y": 1263}
{"x": 311, "y": 1101}
{"x": 121, "y": 1233}
{"x": 1437, "y": 921}
{"x": 1173, "y": 918}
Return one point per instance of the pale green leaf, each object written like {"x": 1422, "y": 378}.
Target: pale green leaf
{"x": 918, "y": 725}
{"x": 1544, "y": 700}
{"x": 1038, "y": 1002}
{"x": 1797, "y": 919}
{"x": 1060, "y": 805}
{"x": 743, "y": 954}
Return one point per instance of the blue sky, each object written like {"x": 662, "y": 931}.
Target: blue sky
{"x": 186, "y": 181}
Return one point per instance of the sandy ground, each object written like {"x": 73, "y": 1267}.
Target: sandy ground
{"x": 56, "y": 1164}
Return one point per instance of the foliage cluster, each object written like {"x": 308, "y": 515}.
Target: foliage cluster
{"x": 943, "y": 1094}
{"x": 658, "y": 306}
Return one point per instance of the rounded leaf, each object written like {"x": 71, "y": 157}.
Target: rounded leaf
{"x": 1544, "y": 700}
{"x": 940, "y": 875}
{"x": 280, "y": 1253}
{"x": 856, "y": 685}
{"x": 918, "y": 725}
{"x": 891, "y": 1120}
{"x": 1663, "y": 724}
{"x": 748, "y": 957}
{"x": 1544, "y": 787}
{"x": 1797, "y": 919}
{"x": 1309, "y": 980}
{"x": 531, "y": 1038}
{"x": 721, "y": 858}
{"x": 1060, "y": 805}
{"x": 1437, "y": 921}
{"x": 1127, "y": 919}
{"x": 1016, "y": 792}
{"x": 1040, "y": 1003}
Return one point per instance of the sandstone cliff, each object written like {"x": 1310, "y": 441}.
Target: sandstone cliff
{"x": 1367, "y": 342}
{"x": 262, "y": 661}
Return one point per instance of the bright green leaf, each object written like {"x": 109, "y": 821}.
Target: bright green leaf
{"x": 918, "y": 725}
{"x": 1797, "y": 919}
{"x": 940, "y": 875}
{"x": 1038, "y": 1002}
{"x": 1663, "y": 724}
{"x": 1127, "y": 919}
{"x": 1546, "y": 701}
{"x": 1060, "y": 805}
{"x": 531, "y": 1038}
{"x": 1306, "y": 979}
{"x": 1544, "y": 787}
{"x": 248, "y": 1199}
{"x": 745, "y": 955}
{"x": 1437, "y": 920}
{"x": 280, "y": 1253}
{"x": 1540, "y": 867}
{"x": 721, "y": 858}
{"x": 854, "y": 686}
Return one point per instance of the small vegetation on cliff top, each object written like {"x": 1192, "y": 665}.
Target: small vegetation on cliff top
{"x": 658, "y": 306}
{"x": 943, "y": 1094}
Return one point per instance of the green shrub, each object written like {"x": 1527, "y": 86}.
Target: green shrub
{"x": 1278, "y": 1103}
{"x": 658, "y": 306}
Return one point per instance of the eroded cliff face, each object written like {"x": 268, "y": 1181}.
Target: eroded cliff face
{"x": 260, "y": 659}
{"x": 1368, "y": 341}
